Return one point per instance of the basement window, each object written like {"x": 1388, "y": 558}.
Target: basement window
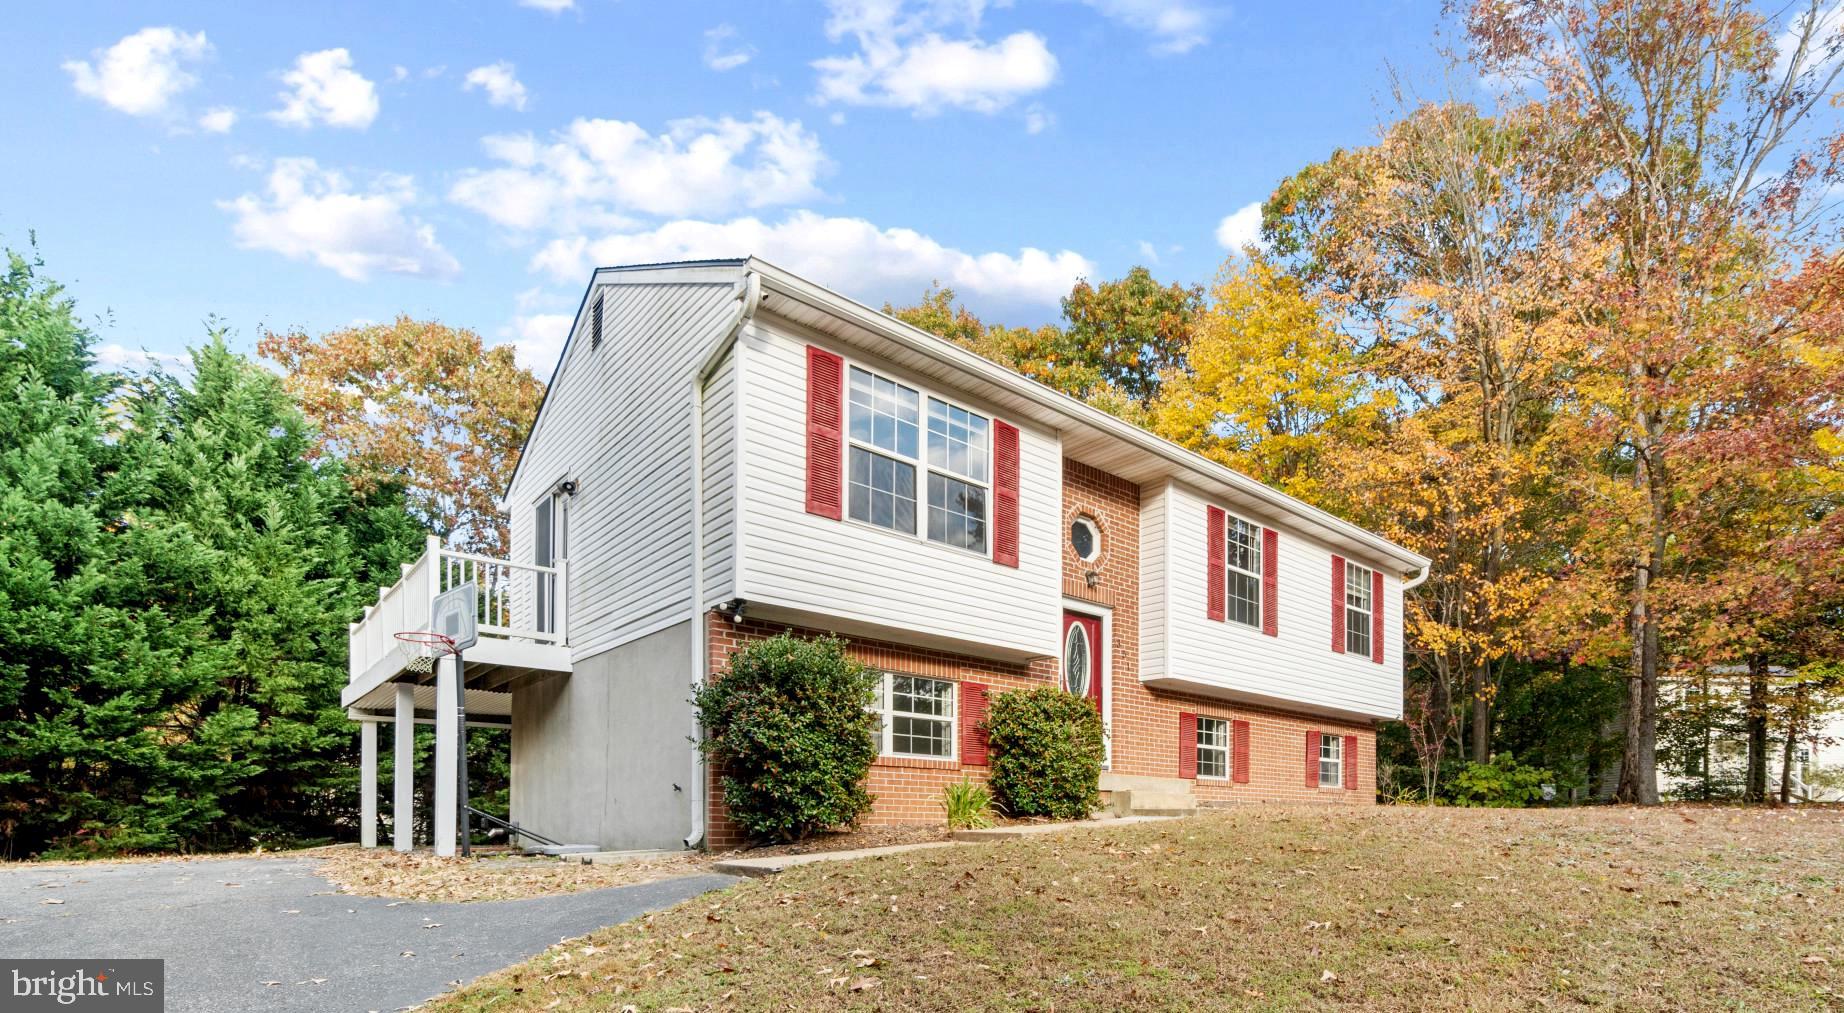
{"x": 918, "y": 717}
{"x": 1212, "y": 747}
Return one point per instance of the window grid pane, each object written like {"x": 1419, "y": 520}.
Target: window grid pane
{"x": 1331, "y": 760}
{"x": 957, "y": 440}
{"x": 1357, "y": 609}
{"x": 956, "y": 513}
{"x": 885, "y": 414}
{"x": 883, "y": 491}
{"x": 1244, "y": 558}
{"x": 920, "y": 716}
{"x": 1212, "y": 747}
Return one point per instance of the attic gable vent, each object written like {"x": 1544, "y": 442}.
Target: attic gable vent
{"x": 595, "y": 323}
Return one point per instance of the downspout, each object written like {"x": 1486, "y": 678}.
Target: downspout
{"x": 749, "y": 296}
{"x": 1419, "y": 580}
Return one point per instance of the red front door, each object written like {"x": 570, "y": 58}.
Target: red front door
{"x": 1082, "y": 649}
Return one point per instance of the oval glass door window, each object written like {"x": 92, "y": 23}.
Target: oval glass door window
{"x": 1075, "y": 660}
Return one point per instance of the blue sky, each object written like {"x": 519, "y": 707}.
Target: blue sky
{"x": 312, "y": 165}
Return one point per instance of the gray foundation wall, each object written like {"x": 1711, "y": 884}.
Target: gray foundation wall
{"x": 604, "y": 755}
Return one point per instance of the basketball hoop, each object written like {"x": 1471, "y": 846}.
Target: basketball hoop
{"x": 424, "y": 646}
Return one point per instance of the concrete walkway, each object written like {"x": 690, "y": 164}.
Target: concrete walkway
{"x": 759, "y": 867}
{"x": 270, "y": 934}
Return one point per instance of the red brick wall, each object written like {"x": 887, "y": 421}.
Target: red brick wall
{"x": 907, "y": 791}
{"x": 1144, "y": 723}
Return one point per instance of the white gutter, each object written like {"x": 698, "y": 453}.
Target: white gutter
{"x": 921, "y": 342}
{"x": 1420, "y": 578}
{"x": 749, "y": 296}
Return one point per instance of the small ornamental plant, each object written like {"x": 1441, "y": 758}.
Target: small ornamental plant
{"x": 968, "y": 805}
{"x": 1046, "y": 750}
{"x": 792, "y": 730}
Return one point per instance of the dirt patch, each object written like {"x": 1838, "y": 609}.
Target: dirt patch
{"x": 422, "y": 876}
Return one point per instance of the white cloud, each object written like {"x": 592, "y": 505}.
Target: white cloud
{"x": 537, "y": 340}
{"x": 595, "y": 172}
{"x": 904, "y": 60}
{"x": 218, "y": 120}
{"x": 1823, "y": 51}
{"x": 501, "y": 83}
{"x": 724, "y": 49}
{"x": 1037, "y": 119}
{"x": 141, "y": 74}
{"x": 314, "y": 214}
{"x": 324, "y": 89}
{"x": 1240, "y": 228}
{"x": 850, "y": 255}
{"x": 1176, "y": 26}
{"x": 550, "y": 6}
{"x": 1150, "y": 252}
{"x": 119, "y": 358}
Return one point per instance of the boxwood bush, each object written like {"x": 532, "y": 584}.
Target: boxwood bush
{"x": 1046, "y": 752}
{"x": 791, "y": 730}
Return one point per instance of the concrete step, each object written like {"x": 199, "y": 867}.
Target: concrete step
{"x": 1154, "y": 803}
{"x": 1111, "y": 781}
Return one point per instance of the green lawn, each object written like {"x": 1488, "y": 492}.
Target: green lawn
{"x": 1391, "y": 909}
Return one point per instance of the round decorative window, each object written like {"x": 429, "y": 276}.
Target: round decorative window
{"x": 1075, "y": 660}
{"x": 1085, "y": 538}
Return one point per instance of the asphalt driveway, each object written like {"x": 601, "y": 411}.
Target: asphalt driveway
{"x": 267, "y": 933}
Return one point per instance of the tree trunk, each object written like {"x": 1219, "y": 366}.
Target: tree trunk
{"x": 1754, "y": 788}
{"x": 1795, "y": 725}
{"x": 1482, "y": 715}
{"x": 1639, "y": 762}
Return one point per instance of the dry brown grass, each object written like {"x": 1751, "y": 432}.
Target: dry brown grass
{"x": 1386, "y": 909}
{"x": 422, "y": 876}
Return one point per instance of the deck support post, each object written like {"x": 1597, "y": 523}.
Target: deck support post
{"x": 403, "y": 770}
{"x": 368, "y": 784}
{"x": 447, "y": 753}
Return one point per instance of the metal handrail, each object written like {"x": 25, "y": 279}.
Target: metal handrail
{"x": 513, "y": 829}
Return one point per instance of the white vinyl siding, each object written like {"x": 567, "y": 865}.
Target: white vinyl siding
{"x": 719, "y": 482}
{"x": 617, "y": 420}
{"x": 1183, "y": 649}
{"x": 860, "y": 578}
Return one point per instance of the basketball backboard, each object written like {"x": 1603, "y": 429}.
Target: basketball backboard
{"x": 452, "y": 615}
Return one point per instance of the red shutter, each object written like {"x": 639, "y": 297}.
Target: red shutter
{"x": 1338, "y": 604}
{"x": 825, "y": 433}
{"x": 1187, "y": 745}
{"x": 1216, "y": 589}
{"x": 1004, "y": 493}
{"x": 1270, "y": 582}
{"x": 1312, "y": 759}
{"x": 972, "y": 712}
{"x": 1349, "y": 762}
{"x": 1240, "y": 751}
{"x": 1376, "y": 616}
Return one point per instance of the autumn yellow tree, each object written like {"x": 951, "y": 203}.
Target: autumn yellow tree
{"x": 1272, "y": 387}
{"x": 418, "y": 403}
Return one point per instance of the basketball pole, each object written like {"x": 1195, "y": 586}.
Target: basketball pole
{"x": 467, "y": 847}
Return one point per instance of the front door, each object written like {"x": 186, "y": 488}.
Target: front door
{"x": 1082, "y": 649}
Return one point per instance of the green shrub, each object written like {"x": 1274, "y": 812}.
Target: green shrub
{"x": 969, "y": 805}
{"x": 1501, "y": 784}
{"x": 1046, "y": 748}
{"x": 791, "y": 729}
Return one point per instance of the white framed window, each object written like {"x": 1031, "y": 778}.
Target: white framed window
{"x": 1357, "y": 609}
{"x": 918, "y": 717}
{"x": 1212, "y": 747}
{"x": 1085, "y": 538}
{"x": 1331, "y": 760}
{"x": 890, "y": 446}
{"x": 1244, "y": 572}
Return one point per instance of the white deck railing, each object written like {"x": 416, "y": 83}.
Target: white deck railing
{"x": 516, "y": 602}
